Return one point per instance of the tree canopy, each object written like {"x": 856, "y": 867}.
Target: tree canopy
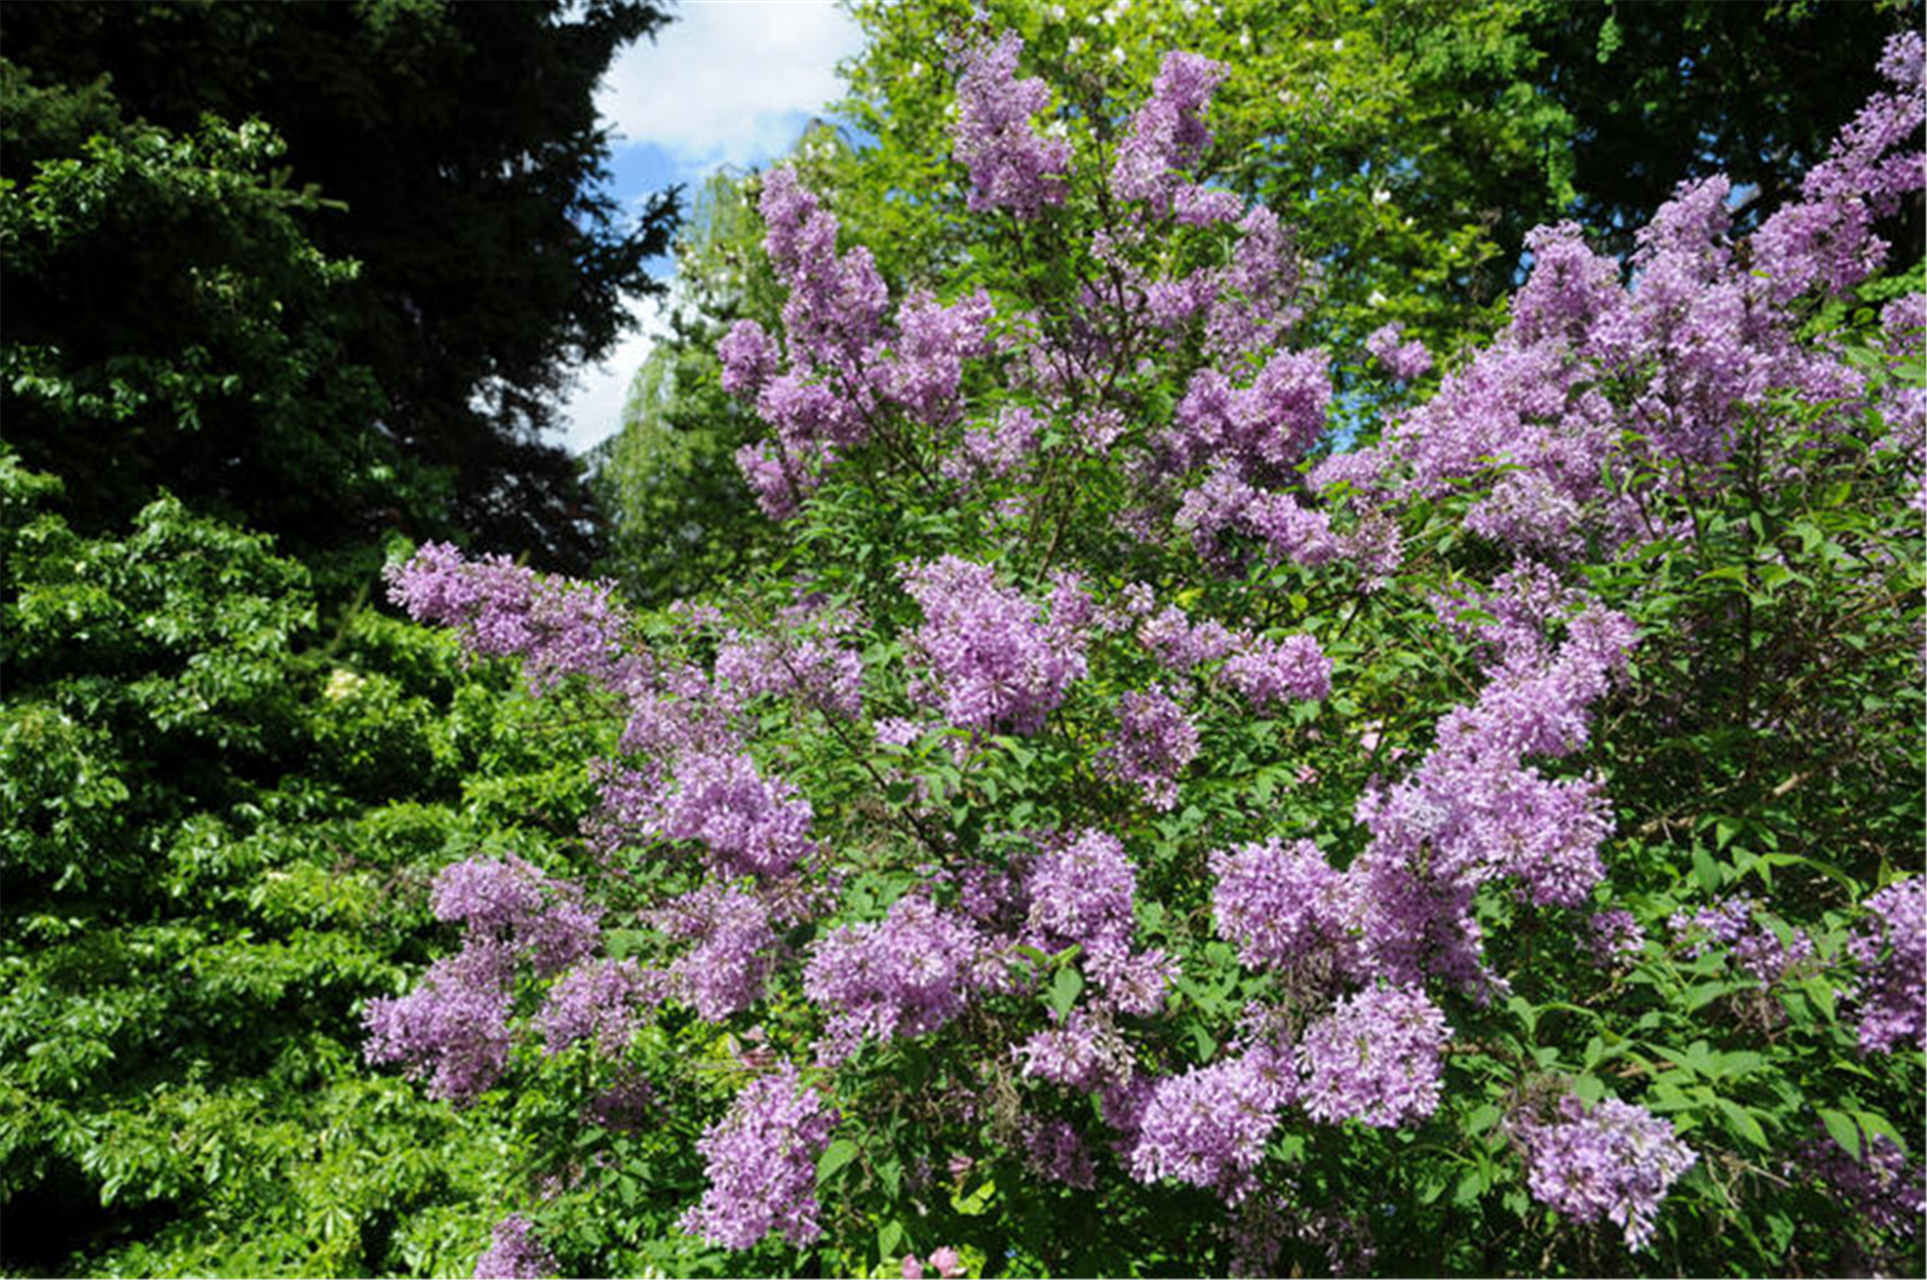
{"x": 457, "y": 156}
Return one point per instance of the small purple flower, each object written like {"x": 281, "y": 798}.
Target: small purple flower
{"x": 907, "y": 974}
{"x": 1616, "y": 937}
{"x": 992, "y": 660}
{"x": 1616, "y": 1162}
{"x": 1011, "y": 165}
{"x": 1892, "y": 991}
{"x": 1271, "y": 671}
{"x": 1155, "y": 741}
{"x": 513, "y": 1254}
{"x": 1166, "y": 135}
{"x": 761, "y": 1164}
{"x": 1406, "y": 361}
{"x": 1375, "y": 1058}
{"x": 1209, "y": 1126}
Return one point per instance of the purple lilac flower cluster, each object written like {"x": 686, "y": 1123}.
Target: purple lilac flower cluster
{"x": 1878, "y": 1182}
{"x": 814, "y": 669}
{"x": 1755, "y": 947}
{"x": 845, "y": 367}
{"x": 1826, "y": 237}
{"x": 1258, "y": 431}
{"x": 1167, "y": 137}
{"x": 1891, "y": 951}
{"x": 761, "y": 1164}
{"x": 454, "y": 1027}
{"x": 1705, "y": 337}
{"x": 1000, "y": 448}
{"x": 993, "y": 660}
{"x": 1615, "y": 1162}
{"x": 1475, "y": 809}
{"x": 732, "y": 937}
{"x": 597, "y": 1001}
{"x": 1268, "y": 672}
{"x": 1406, "y": 361}
{"x": 1375, "y": 1058}
{"x": 1616, "y": 937}
{"x": 1055, "y": 1151}
{"x": 1209, "y": 1126}
{"x": 906, "y": 974}
{"x": 1011, "y": 165}
{"x": 513, "y": 1254}
{"x": 748, "y": 824}
{"x": 1155, "y": 741}
{"x": 832, "y": 318}
{"x": 1081, "y": 893}
{"x": 1082, "y": 1050}
{"x": 502, "y": 609}
{"x": 1283, "y": 907}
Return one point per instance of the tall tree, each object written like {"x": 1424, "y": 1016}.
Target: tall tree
{"x": 463, "y": 141}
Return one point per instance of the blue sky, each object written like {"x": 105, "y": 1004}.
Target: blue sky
{"x": 729, "y": 82}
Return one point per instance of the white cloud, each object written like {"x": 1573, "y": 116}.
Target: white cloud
{"x": 721, "y": 84}
{"x": 593, "y": 410}
{"x": 725, "y": 83}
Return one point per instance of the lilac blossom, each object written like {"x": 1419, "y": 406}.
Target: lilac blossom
{"x": 1616, "y": 1162}
{"x": 501, "y": 609}
{"x": 998, "y": 448}
{"x": 1011, "y": 165}
{"x": 837, "y": 302}
{"x": 507, "y": 900}
{"x": 816, "y": 670}
{"x": 513, "y": 1254}
{"x": 1268, "y": 672}
{"x": 453, "y": 1028}
{"x": 923, "y": 371}
{"x": 1129, "y": 981}
{"x": 1082, "y": 893}
{"x": 907, "y": 974}
{"x": 747, "y": 823}
{"x": 1166, "y": 136}
{"x": 991, "y": 659}
{"x": 749, "y": 358}
{"x": 1878, "y": 1181}
{"x": 1406, "y": 361}
{"x": 1258, "y": 431}
{"x": 596, "y": 1001}
{"x": 1283, "y": 907}
{"x": 1753, "y": 945}
{"x": 1474, "y": 809}
{"x": 1056, "y": 1151}
{"x": 735, "y": 942}
{"x": 1826, "y": 237}
{"x": 1180, "y": 644}
{"x": 1891, "y": 950}
{"x": 1375, "y": 1058}
{"x": 761, "y": 1164}
{"x": 1209, "y": 1126}
{"x": 1081, "y": 1050}
{"x": 1616, "y": 937}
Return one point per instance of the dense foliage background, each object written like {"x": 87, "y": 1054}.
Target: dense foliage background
{"x": 929, "y": 891}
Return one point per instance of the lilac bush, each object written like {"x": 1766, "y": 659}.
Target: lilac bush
{"x": 1129, "y": 804}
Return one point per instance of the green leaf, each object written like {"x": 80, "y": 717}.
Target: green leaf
{"x": 834, "y": 1157}
{"x": 1740, "y": 1121}
{"x": 1843, "y": 1131}
{"x": 1064, "y": 989}
{"x": 1709, "y": 873}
